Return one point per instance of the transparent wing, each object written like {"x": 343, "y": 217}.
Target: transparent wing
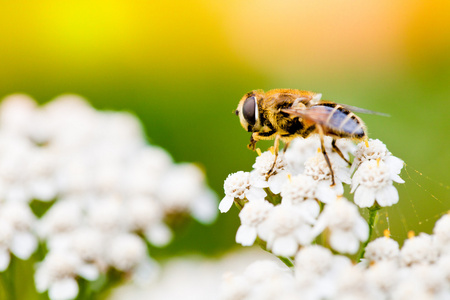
{"x": 335, "y": 120}
{"x": 363, "y": 110}
{"x": 316, "y": 114}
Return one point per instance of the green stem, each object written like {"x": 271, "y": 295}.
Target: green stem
{"x": 372, "y": 221}
{"x": 273, "y": 198}
{"x": 286, "y": 261}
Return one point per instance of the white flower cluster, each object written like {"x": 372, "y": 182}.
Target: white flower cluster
{"x": 109, "y": 192}
{"x": 290, "y": 203}
{"x": 419, "y": 270}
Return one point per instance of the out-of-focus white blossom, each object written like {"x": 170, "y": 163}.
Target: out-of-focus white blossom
{"x": 23, "y": 241}
{"x": 441, "y": 232}
{"x": 126, "y": 252}
{"x": 252, "y": 216}
{"x": 106, "y": 192}
{"x": 381, "y": 249}
{"x": 316, "y": 269}
{"x": 240, "y": 185}
{"x": 347, "y": 228}
{"x": 418, "y": 250}
{"x": 261, "y": 280}
{"x": 57, "y": 273}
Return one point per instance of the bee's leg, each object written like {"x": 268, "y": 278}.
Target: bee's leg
{"x": 324, "y": 152}
{"x": 338, "y": 151}
{"x": 276, "y": 146}
{"x": 252, "y": 144}
{"x": 286, "y": 145}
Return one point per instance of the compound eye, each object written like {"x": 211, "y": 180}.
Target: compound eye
{"x": 249, "y": 110}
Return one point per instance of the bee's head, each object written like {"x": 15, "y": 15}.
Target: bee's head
{"x": 248, "y": 111}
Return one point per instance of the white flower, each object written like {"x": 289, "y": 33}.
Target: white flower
{"x": 57, "y": 273}
{"x": 277, "y": 176}
{"x": 347, "y": 228}
{"x": 234, "y": 287}
{"x": 382, "y": 249}
{"x": 126, "y": 252}
{"x": 384, "y": 277}
{"x": 17, "y": 113}
{"x": 252, "y": 215}
{"x": 147, "y": 215}
{"x": 269, "y": 281}
{"x": 15, "y": 158}
{"x": 302, "y": 188}
{"x": 107, "y": 215}
{"x": 22, "y": 220}
{"x": 418, "y": 250}
{"x": 376, "y": 150}
{"x": 285, "y": 228}
{"x": 181, "y": 185}
{"x": 441, "y": 232}
{"x": 6, "y": 236}
{"x": 299, "y": 151}
{"x": 142, "y": 175}
{"x": 238, "y": 185}
{"x": 204, "y": 208}
{"x": 63, "y": 216}
{"x": 373, "y": 182}
{"x": 43, "y": 181}
{"x": 318, "y": 169}
{"x": 316, "y": 271}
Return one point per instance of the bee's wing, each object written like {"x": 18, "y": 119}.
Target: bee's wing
{"x": 363, "y": 110}
{"x": 316, "y": 114}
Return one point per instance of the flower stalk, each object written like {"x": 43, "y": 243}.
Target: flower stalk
{"x": 373, "y": 211}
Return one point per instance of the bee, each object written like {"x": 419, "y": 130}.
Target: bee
{"x": 284, "y": 114}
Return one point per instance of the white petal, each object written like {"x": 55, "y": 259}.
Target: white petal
{"x": 304, "y": 235}
{"x": 277, "y": 181}
{"x": 325, "y": 194}
{"x": 23, "y": 244}
{"x": 344, "y": 175}
{"x": 88, "y": 272}
{"x": 285, "y": 246}
{"x": 4, "y": 259}
{"x": 338, "y": 188}
{"x": 361, "y": 229}
{"x": 259, "y": 181}
{"x": 344, "y": 242}
{"x": 203, "y": 209}
{"x": 63, "y": 289}
{"x": 397, "y": 178}
{"x": 255, "y": 194}
{"x": 246, "y": 235}
{"x": 310, "y": 208}
{"x": 225, "y": 204}
{"x": 387, "y": 196}
{"x": 395, "y": 164}
{"x": 41, "y": 279}
{"x": 319, "y": 227}
{"x": 364, "y": 197}
{"x": 159, "y": 235}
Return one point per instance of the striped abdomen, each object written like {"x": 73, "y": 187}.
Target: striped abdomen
{"x": 337, "y": 120}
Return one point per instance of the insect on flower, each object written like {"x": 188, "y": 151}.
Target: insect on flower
{"x": 284, "y": 114}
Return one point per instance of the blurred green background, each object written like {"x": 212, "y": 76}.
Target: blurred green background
{"x": 182, "y": 66}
